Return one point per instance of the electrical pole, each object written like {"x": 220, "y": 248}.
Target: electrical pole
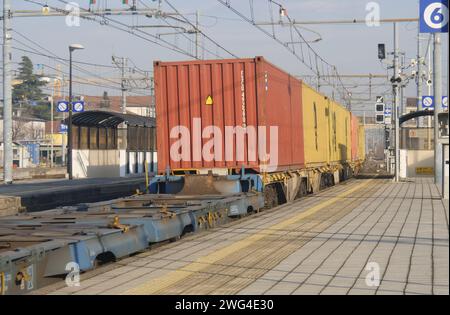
{"x": 152, "y": 112}
{"x": 401, "y": 90}
{"x": 437, "y": 73}
{"x": 63, "y": 135}
{"x": 72, "y": 48}
{"x": 419, "y": 74}
{"x": 121, "y": 63}
{"x": 51, "y": 126}
{"x": 7, "y": 95}
{"x": 124, "y": 90}
{"x": 430, "y": 83}
{"x": 396, "y": 103}
{"x": 197, "y": 37}
{"x": 69, "y": 129}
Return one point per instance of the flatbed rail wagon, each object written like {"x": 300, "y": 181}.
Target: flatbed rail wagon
{"x": 40, "y": 248}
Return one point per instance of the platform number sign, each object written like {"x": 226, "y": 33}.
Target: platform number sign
{"x": 445, "y": 102}
{"x": 428, "y": 102}
{"x": 434, "y": 16}
{"x": 62, "y": 107}
{"x": 78, "y": 106}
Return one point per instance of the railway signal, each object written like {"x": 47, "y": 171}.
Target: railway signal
{"x": 381, "y": 51}
{"x": 380, "y": 110}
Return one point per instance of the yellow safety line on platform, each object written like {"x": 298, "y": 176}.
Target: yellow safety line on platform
{"x": 173, "y": 277}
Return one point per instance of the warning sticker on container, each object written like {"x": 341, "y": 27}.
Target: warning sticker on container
{"x": 424, "y": 170}
{"x": 209, "y": 100}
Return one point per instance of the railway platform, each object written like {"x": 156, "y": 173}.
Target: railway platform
{"x": 364, "y": 236}
{"x": 44, "y": 194}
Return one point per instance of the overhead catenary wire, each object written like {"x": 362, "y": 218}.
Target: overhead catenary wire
{"x": 83, "y": 81}
{"x": 306, "y": 54}
{"x": 50, "y": 57}
{"x": 54, "y": 56}
{"x": 185, "y": 36}
{"x": 88, "y": 82}
{"x": 122, "y": 27}
{"x": 159, "y": 38}
{"x": 60, "y": 58}
{"x": 205, "y": 35}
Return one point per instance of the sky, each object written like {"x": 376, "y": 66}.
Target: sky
{"x": 351, "y": 48}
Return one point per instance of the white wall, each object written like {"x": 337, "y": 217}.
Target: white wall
{"x": 95, "y": 163}
{"x": 108, "y": 163}
{"x": 141, "y": 111}
{"x": 419, "y": 158}
{"x": 26, "y": 130}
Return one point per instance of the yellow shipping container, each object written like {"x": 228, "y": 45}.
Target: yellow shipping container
{"x": 361, "y": 143}
{"x": 340, "y": 133}
{"x": 315, "y": 126}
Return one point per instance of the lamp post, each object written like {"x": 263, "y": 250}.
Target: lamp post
{"x": 72, "y": 48}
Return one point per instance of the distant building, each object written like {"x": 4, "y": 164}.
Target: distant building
{"x": 412, "y": 104}
{"x": 28, "y": 133}
{"x": 26, "y": 128}
{"x": 139, "y": 105}
{"x": 21, "y": 155}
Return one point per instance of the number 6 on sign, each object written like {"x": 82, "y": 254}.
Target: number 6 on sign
{"x": 434, "y": 16}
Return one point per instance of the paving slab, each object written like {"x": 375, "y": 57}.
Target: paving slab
{"x": 360, "y": 237}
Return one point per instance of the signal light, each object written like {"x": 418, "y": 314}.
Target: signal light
{"x": 379, "y": 118}
{"x": 379, "y": 107}
{"x": 381, "y": 52}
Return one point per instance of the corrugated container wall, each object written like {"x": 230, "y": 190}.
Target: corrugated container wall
{"x": 240, "y": 93}
{"x": 355, "y": 138}
{"x": 316, "y": 127}
{"x": 340, "y": 133}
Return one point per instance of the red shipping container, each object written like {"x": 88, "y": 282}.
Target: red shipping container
{"x": 202, "y": 101}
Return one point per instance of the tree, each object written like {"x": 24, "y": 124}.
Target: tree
{"x": 29, "y": 90}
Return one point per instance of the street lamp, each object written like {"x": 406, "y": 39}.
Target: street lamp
{"x": 72, "y": 48}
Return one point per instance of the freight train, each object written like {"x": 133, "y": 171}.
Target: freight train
{"x": 233, "y": 137}
{"x": 234, "y": 115}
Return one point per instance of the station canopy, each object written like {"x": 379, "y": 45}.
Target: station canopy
{"x": 98, "y": 118}
{"x": 415, "y": 114}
